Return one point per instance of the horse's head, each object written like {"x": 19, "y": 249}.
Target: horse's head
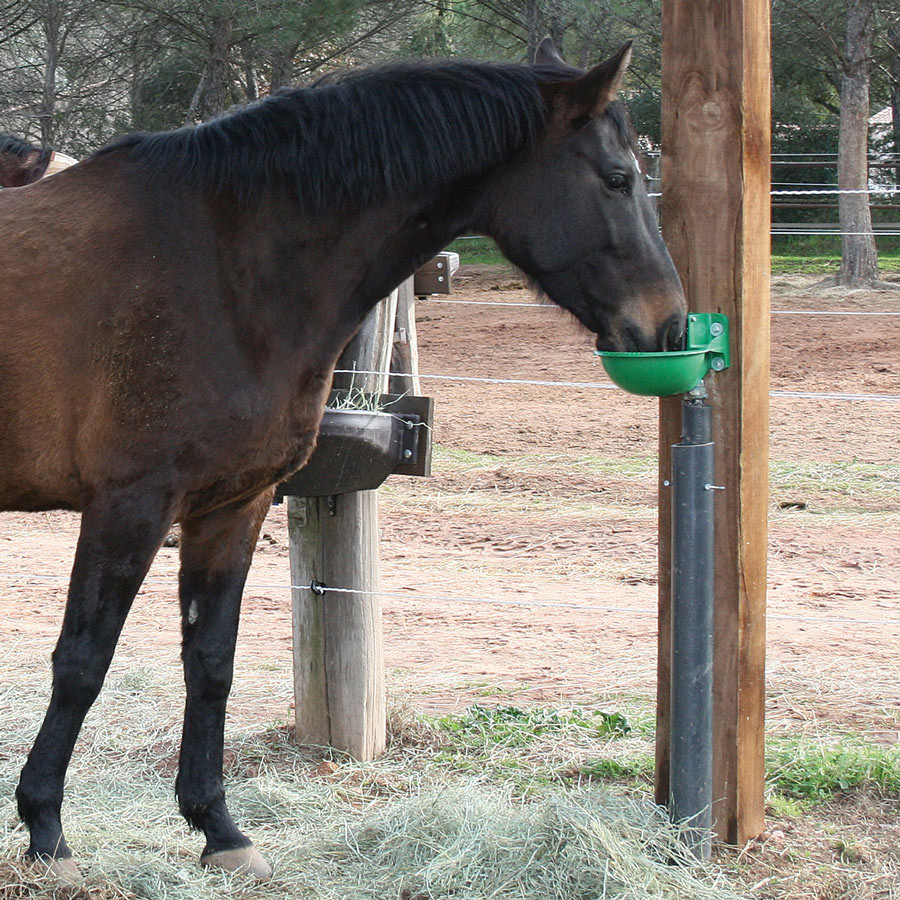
{"x": 20, "y": 163}
{"x": 574, "y": 213}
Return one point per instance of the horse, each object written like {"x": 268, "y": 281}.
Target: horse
{"x": 173, "y": 307}
{"x": 22, "y": 164}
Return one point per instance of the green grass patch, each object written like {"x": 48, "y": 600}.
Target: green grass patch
{"x": 791, "y": 255}
{"x": 640, "y": 767}
{"x": 824, "y": 264}
{"x": 531, "y": 750}
{"x": 805, "y": 265}
{"x": 817, "y": 248}
{"x": 783, "y": 807}
{"x": 478, "y": 251}
{"x": 821, "y": 772}
{"x": 509, "y": 726}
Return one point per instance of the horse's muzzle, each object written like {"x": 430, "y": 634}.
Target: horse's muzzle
{"x": 631, "y": 338}
{"x": 672, "y": 333}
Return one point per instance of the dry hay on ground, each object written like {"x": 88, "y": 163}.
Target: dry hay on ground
{"x": 333, "y": 831}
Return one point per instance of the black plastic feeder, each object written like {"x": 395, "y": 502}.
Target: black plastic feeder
{"x": 358, "y": 448}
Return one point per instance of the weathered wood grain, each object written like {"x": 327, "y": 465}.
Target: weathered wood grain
{"x": 338, "y": 654}
{"x": 716, "y": 220}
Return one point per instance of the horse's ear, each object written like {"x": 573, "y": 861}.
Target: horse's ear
{"x": 36, "y": 164}
{"x": 590, "y": 94}
{"x": 547, "y": 54}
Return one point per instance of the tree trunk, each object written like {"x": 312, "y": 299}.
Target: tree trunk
{"x": 282, "y": 66}
{"x": 216, "y": 97}
{"x": 190, "y": 117}
{"x": 52, "y": 26}
{"x": 556, "y": 26}
{"x": 440, "y": 44}
{"x": 859, "y": 255}
{"x": 894, "y": 68}
{"x": 534, "y": 23}
{"x": 251, "y": 77}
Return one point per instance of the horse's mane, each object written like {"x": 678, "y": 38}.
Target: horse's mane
{"x": 11, "y": 144}
{"x": 355, "y": 138}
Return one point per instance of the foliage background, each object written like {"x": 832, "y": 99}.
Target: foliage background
{"x": 75, "y": 73}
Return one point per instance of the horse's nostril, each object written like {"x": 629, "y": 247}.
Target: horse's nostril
{"x": 672, "y": 334}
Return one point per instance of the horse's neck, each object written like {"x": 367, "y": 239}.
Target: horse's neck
{"x": 361, "y": 257}
{"x": 420, "y": 229}
{"x": 295, "y": 268}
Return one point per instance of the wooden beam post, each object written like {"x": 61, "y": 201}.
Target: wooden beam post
{"x": 338, "y": 658}
{"x": 339, "y": 694}
{"x": 405, "y": 359}
{"x": 716, "y": 220}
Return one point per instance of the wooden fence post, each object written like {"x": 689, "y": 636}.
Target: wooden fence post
{"x": 716, "y": 220}
{"x": 338, "y": 656}
{"x": 406, "y": 345}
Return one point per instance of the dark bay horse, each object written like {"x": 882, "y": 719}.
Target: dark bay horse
{"x": 20, "y": 163}
{"x": 172, "y": 309}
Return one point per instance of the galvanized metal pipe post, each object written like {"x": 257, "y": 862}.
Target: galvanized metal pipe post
{"x": 691, "y": 743}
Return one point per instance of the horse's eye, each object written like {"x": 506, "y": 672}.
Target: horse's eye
{"x": 616, "y": 182}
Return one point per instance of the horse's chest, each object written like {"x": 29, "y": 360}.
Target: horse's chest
{"x": 259, "y": 446}
{"x": 284, "y": 438}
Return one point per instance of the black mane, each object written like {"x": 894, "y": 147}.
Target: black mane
{"x": 11, "y": 144}
{"x": 353, "y": 139}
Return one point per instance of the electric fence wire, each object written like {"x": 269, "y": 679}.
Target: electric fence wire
{"x": 890, "y": 189}
{"x": 775, "y": 312}
{"x": 603, "y": 385}
{"x": 319, "y": 589}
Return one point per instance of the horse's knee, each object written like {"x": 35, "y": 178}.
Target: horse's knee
{"x": 208, "y": 674}
{"x": 77, "y": 680}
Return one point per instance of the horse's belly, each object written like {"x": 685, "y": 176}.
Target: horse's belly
{"x": 37, "y": 471}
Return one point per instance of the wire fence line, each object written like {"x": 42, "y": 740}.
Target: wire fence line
{"x": 826, "y": 395}
{"x": 787, "y": 230}
{"x": 791, "y": 185}
{"x": 875, "y": 233}
{"x": 534, "y": 602}
{"x": 320, "y": 589}
{"x": 587, "y": 385}
{"x": 409, "y": 595}
{"x": 821, "y": 190}
{"x": 775, "y": 312}
{"x": 828, "y": 312}
{"x": 831, "y": 154}
{"x": 890, "y": 189}
{"x": 604, "y": 385}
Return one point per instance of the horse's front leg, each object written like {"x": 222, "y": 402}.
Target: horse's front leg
{"x": 119, "y": 538}
{"x": 216, "y": 550}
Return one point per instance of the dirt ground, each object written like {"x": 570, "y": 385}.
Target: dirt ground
{"x": 537, "y": 523}
{"x": 530, "y": 574}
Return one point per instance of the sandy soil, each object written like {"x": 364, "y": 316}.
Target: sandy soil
{"x": 538, "y": 524}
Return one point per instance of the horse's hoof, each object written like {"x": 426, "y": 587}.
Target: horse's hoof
{"x": 243, "y": 860}
{"x": 64, "y": 871}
